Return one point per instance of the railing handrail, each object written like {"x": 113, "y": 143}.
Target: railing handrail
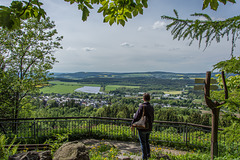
{"x": 110, "y": 118}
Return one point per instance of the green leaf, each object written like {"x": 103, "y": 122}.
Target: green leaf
{"x": 128, "y": 14}
{"x": 135, "y": 13}
{"x": 106, "y": 19}
{"x": 122, "y": 22}
{"x": 80, "y": 6}
{"x": 112, "y": 20}
{"x": 144, "y": 2}
{"x": 176, "y": 13}
{"x": 223, "y": 1}
{"x": 85, "y": 13}
{"x": 205, "y": 4}
{"x": 100, "y": 9}
{"x": 233, "y": 1}
{"x": 214, "y": 4}
{"x": 140, "y": 10}
{"x": 88, "y": 4}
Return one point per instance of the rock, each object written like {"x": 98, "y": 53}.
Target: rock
{"x": 32, "y": 155}
{"x": 123, "y": 158}
{"x": 72, "y": 151}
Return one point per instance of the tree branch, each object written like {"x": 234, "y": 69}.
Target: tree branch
{"x": 29, "y": 2}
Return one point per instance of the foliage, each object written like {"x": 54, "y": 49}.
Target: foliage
{"x": 164, "y": 136}
{"x": 114, "y": 11}
{"x": 11, "y": 17}
{"x": 215, "y": 3}
{"x": 6, "y": 152}
{"x": 207, "y": 29}
{"x": 57, "y": 141}
{"x": 103, "y": 151}
{"x": 232, "y": 104}
{"x": 216, "y": 30}
{"x": 26, "y": 58}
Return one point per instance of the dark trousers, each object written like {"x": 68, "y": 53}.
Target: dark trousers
{"x": 144, "y": 141}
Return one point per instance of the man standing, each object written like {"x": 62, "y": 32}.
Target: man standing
{"x": 145, "y": 133}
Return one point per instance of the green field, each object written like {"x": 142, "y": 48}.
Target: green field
{"x": 172, "y": 92}
{"x": 69, "y": 87}
{"x": 137, "y": 75}
{"x": 114, "y": 87}
{"x": 64, "y": 87}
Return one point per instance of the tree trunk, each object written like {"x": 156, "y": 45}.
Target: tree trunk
{"x": 214, "y": 138}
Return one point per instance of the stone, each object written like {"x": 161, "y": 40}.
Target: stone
{"x": 123, "y": 158}
{"x": 72, "y": 151}
{"x": 32, "y": 155}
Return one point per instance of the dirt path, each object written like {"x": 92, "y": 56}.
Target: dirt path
{"x": 130, "y": 147}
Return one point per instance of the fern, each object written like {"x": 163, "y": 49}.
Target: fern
{"x": 6, "y": 152}
{"x": 204, "y": 29}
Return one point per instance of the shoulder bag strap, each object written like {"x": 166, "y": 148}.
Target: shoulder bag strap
{"x": 143, "y": 111}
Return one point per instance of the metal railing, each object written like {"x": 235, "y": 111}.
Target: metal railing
{"x": 191, "y": 135}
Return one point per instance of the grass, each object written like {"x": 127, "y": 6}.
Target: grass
{"x": 172, "y": 92}
{"x": 114, "y": 87}
{"x": 70, "y": 87}
{"x": 64, "y": 87}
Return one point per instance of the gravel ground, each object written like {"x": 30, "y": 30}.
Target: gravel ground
{"x": 129, "y": 147}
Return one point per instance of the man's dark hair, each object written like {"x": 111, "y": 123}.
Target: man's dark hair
{"x": 146, "y": 97}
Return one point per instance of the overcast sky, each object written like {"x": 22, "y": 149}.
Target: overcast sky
{"x": 142, "y": 45}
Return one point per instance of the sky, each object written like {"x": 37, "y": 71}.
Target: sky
{"x": 142, "y": 45}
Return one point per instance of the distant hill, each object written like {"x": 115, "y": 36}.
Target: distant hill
{"x": 157, "y": 74}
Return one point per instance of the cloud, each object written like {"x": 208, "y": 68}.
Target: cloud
{"x": 128, "y": 45}
{"x": 174, "y": 49}
{"x": 140, "y": 28}
{"x": 71, "y": 49}
{"x": 158, "y": 25}
{"x": 88, "y": 49}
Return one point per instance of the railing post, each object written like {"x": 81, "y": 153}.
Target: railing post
{"x": 89, "y": 127}
{"x": 34, "y": 129}
{"x": 186, "y": 136}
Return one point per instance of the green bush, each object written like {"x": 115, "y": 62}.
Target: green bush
{"x": 6, "y": 152}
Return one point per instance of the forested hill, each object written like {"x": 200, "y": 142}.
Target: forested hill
{"x": 158, "y": 74}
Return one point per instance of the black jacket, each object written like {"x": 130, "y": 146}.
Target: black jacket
{"x": 149, "y": 112}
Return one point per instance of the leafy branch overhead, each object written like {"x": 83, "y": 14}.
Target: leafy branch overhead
{"x": 114, "y": 11}
{"x": 215, "y": 3}
{"x": 11, "y": 16}
{"x": 206, "y": 29}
